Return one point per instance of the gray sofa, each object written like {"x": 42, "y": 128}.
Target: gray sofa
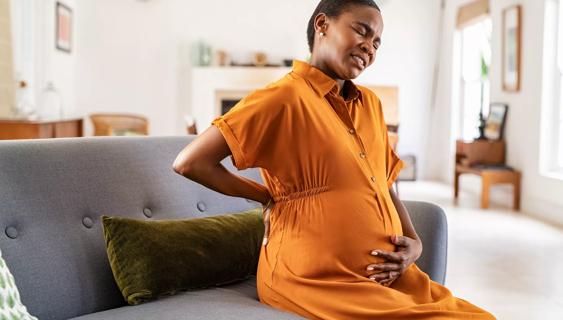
{"x": 53, "y": 192}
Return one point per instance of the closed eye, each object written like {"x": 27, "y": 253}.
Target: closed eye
{"x": 363, "y": 34}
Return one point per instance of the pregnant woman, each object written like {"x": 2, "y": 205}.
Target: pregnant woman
{"x": 338, "y": 243}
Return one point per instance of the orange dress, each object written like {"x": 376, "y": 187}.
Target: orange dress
{"x": 328, "y": 165}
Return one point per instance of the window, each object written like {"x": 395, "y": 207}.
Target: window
{"x": 551, "y": 135}
{"x": 474, "y": 87}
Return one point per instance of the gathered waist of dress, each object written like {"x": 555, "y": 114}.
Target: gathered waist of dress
{"x": 299, "y": 194}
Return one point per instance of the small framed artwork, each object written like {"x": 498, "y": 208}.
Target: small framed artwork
{"x": 511, "y": 48}
{"x": 494, "y": 126}
{"x": 63, "y": 25}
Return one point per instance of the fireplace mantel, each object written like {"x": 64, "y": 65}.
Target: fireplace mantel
{"x": 211, "y": 83}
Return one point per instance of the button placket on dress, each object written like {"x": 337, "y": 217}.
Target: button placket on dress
{"x": 384, "y": 217}
{"x": 340, "y": 108}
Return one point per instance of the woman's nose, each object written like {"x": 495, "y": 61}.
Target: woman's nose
{"x": 368, "y": 48}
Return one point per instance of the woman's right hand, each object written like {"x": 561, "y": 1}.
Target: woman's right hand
{"x": 266, "y": 209}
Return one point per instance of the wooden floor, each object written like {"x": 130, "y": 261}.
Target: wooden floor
{"x": 500, "y": 260}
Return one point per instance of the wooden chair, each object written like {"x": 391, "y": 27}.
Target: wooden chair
{"x": 116, "y": 124}
{"x": 486, "y": 159}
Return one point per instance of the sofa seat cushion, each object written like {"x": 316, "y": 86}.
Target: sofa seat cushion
{"x": 234, "y": 301}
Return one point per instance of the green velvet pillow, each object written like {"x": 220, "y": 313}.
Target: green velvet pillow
{"x": 150, "y": 259}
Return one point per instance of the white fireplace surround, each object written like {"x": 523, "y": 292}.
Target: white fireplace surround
{"x": 212, "y": 84}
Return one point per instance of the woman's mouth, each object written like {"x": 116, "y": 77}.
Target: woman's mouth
{"x": 359, "y": 62}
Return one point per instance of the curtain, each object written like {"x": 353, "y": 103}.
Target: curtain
{"x": 472, "y": 12}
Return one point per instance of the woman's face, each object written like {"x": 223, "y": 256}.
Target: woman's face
{"x": 350, "y": 41}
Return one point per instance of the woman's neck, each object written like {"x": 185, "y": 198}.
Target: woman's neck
{"x": 324, "y": 68}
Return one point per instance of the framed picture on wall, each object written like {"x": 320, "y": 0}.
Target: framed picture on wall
{"x": 511, "y": 47}
{"x": 63, "y": 25}
{"x": 494, "y": 126}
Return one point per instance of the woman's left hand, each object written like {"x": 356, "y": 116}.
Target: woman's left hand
{"x": 266, "y": 210}
{"x": 407, "y": 252}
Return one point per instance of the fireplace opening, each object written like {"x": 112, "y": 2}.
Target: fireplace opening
{"x": 225, "y": 100}
{"x": 227, "y": 104}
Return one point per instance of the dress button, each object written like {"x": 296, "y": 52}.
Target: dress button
{"x": 362, "y": 155}
{"x": 372, "y": 178}
{"x": 351, "y": 131}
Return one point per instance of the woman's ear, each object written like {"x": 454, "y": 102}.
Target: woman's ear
{"x": 321, "y": 23}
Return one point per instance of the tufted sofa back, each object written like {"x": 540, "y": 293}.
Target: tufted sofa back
{"x": 52, "y": 194}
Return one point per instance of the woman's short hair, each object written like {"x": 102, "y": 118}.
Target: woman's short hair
{"x": 332, "y": 8}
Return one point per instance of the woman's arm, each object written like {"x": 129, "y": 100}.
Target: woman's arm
{"x": 408, "y": 249}
{"x": 200, "y": 161}
{"x": 408, "y": 228}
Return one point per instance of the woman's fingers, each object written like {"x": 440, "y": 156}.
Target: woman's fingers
{"x": 385, "y": 267}
{"x": 400, "y": 240}
{"x": 383, "y": 277}
{"x": 398, "y": 257}
{"x": 379, "y": 276}
{"x": 387, "y": 282}
{"x": 266, "y": 209}
{"x": 266, "y": 226}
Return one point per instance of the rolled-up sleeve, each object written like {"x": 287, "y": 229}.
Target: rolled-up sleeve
{"x": 239, "y": 161}
{"x": 393, "y": 164}
{"x": 252, "y": 127}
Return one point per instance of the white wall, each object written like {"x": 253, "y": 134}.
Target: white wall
{"x": 541, "y": 196}
{"x": 52, "y": 64}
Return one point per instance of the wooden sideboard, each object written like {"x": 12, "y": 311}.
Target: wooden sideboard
{"x": 40, "y": 129}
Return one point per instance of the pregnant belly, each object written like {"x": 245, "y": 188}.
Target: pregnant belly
{"x": 334, "y": 238}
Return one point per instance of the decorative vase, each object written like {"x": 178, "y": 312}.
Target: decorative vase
{"x": 201, "y": 54}
{"x": 51, "y": 103}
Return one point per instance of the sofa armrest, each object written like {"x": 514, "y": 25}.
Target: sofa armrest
{"x": 430, "y": 223}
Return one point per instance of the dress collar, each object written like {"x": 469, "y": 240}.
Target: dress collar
{"x": 321, "y": 82}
